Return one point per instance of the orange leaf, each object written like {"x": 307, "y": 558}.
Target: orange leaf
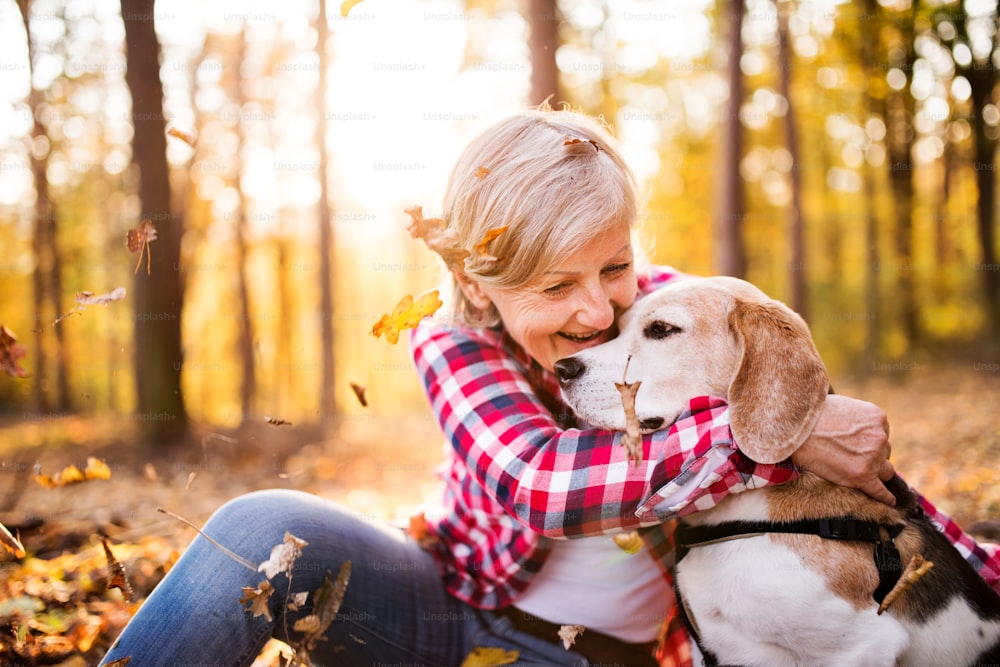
{"x": 406, "y": 315}
{"x": 439, "y": 238}
{"x": 488, "y": 237}
{"x": 359, "y": 392}
{"x": 481, "y": 173}
{"x": 10, "y": 353}
{"x": 11, "y": 543}
{"x": 116, "y": 572}
{"x": 96, "y": 469}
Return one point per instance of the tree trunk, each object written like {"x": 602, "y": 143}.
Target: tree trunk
{"x": 158, "y": 295}
{"x": 983, "y": 79}
{"x": 796, "y": 233}
{"x": 248, "y": 371}
{"x": 900, "y": 136}
{"x": 543, "y": 40}
{"x": 730, "y": 254}
{"x": 47, "y": 275}
{"x": 868, "y": 30}
{"x": 328, "y": 395}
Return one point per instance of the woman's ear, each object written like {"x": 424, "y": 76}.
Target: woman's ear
{"x": 473, "y": 291}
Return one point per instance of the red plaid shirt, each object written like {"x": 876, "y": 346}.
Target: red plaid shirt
{"x": 518, "y": 477}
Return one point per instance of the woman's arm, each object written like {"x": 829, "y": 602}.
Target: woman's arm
{"x": 563, "y": 483}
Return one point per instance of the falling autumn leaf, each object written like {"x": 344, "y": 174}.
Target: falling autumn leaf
{"x": 138, "y": 240}
{"x": 283, "y": 556}
{"x": 359, "y": 393}
{"x": 11, "y": 543}
{"x": 632, "y": 438}
{"x": 187, "y": 137}
{"x": 274, "y": 421}
{"x": 406, "y": 315}
{"x": 326, "y": 603}
{"x": 489, "y": 657}
{"x": 91, "y": 299}
{"x": 95, "y": 469}
{"x": 256, "y": 599}
{"x": 437, "y": 237}
{"x": 10, "y": 352}
{"x": 120, "y": 662}
{"x": 418, "y": 531}
{"x": 116, "y": 573}
{"x": 569, "y": 633}
{"x": 347, "y": 5}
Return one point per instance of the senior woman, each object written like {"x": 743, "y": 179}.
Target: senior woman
{"x": 522, "y": 543}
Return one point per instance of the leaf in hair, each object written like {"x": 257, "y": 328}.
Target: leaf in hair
{"x": 482, "y": 172}
{"x": 479, "y": 249}
{"x": 438, "y": 237}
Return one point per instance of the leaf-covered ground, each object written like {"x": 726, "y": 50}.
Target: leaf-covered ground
{"x": 55, "y": 605}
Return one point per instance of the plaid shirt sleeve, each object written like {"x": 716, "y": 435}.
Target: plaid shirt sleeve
{"x": 564, "y": 483}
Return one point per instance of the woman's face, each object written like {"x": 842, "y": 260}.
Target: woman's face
{"x": 573, "y": 306}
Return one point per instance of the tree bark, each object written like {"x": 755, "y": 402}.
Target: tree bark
{"x": 796, "y": 233}
{"x": 158, "y": 295}
{"x": 543, "y": 41}
{"x": 47, "y": 275}
{"x": 328, "y": 397}
{"x": 730, "y": 253}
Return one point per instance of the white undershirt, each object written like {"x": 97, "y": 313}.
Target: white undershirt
{"x": 591, "y": 582}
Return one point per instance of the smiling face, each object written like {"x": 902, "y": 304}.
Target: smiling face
{"x": 570, "y": 307}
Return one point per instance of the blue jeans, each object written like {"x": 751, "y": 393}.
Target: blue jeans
{"x": 395, "y": 610}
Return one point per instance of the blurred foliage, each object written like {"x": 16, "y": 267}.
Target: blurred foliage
{"x": 409, "y": 81}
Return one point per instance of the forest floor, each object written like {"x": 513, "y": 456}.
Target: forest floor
{"x": 54, "y": 604}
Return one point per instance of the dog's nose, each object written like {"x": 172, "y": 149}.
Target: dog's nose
{"x": 568, "y": 369}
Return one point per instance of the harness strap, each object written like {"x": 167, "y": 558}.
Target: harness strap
{"x": 887, "y": 558}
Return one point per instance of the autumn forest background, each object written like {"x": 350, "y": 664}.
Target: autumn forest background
{"x": 840, "y": 155}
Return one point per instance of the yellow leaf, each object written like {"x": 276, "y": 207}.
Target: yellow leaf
{"x": 630, "y": 543}
{"x": 489, "y": 657}
{"x": 347, "y": 6}
{"x": 95, "y": 469}
{"x": 406, "y": 315}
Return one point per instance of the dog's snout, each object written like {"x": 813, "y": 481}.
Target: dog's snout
{"x": 568, "y": 369}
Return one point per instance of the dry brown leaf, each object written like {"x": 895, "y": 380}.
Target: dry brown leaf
{"x": 417, "y": 529}
{"x": 138, "y": 240}
{"x": 283, "y": 556}
{"x": 256, "y": 599}
{"x": 296, "y": 600}
{"x": 120, "y": 662}
{"x": 359, "y": 393}
{"x": 91, "y": 299}
{"x": 489, "y": 657}
{"x": 274, "y": 421}
{"x": 632, "y": 438}
{"x": 480, "y": 248}
{"x": 569, "y": 633}
{"x": 116, "y": 573}
{"x": 187, "y": 137}
{"x": 406, "y": 315}
{"x": 10, "y": 352}
{"x": 916, "y": 568}
{"x": 437, "y": 237}
{"x": 326, "y": 603}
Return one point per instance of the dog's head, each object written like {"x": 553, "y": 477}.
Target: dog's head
{"x": 706, "y": 336}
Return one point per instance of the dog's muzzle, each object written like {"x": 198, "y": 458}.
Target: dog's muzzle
{"x": 568, "y": 369}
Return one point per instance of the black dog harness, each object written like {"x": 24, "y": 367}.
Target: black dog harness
{"x": 887, "y": 558}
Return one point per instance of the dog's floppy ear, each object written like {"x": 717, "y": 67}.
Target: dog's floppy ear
{"x": 780, "y": 382}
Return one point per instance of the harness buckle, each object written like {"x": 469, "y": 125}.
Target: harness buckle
{"x": 838, "y": 529}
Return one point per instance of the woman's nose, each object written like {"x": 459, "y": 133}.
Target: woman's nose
{"x": 595, "y": 309}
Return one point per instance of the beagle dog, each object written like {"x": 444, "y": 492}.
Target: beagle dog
{"x": 792, "y": 574}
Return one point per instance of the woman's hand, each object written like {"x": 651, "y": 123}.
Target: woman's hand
{"x": 850, "y": 447}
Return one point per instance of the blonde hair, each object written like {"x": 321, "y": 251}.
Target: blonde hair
{"x": 555, "y": 179}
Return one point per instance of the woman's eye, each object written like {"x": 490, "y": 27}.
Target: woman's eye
{"x": 617, "y": 269}
{"x": 557, "y": 290}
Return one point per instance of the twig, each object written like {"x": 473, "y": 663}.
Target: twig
{"x": 239, "y": 559}
{"x": 916, "y": 568}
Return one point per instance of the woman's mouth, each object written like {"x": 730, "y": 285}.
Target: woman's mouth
{"x": 581, "y": 338}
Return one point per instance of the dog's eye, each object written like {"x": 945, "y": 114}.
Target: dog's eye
{"x": 658, "y": 329}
